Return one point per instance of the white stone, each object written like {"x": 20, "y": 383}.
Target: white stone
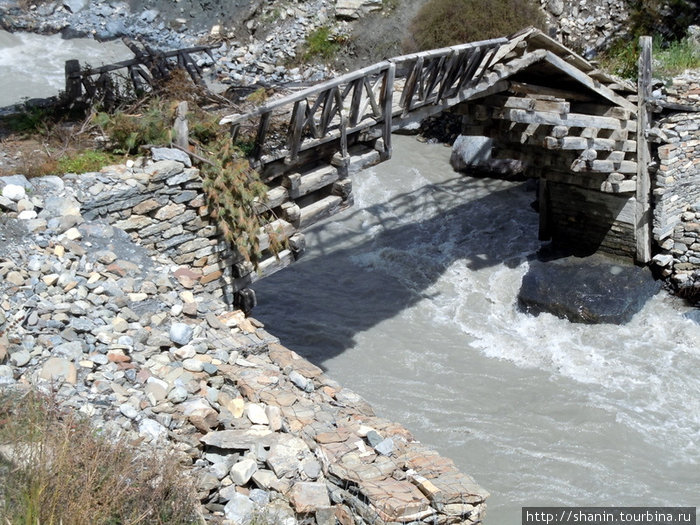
{"x": 14, "y": 192}
{"x": 152, "y": 430}
{"x": 193, "y": 365}
{"x": 128, "y": 410}
{"x": 177, "y": 394}
{"x": 27, "y": 215}
{"x": 239, "y": 509}
{"x": 243, "y": 470}
{"x": 73, "y": 234}
{"x": 256, "y": 414}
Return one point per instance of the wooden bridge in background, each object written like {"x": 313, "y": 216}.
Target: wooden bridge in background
{"x": 578, "y": 130}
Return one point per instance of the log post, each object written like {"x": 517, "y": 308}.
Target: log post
{"x": 74, "y": 87}
{"x": 387, "y": 108}
{"x": 643, "y": 211}
{"x": 180, "y": 128}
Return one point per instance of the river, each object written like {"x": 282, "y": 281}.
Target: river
{"x": 409, "y": 298}
{"x": 32, "y": 66}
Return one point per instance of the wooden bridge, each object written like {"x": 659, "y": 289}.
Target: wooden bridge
{"x": 577, "y": 129}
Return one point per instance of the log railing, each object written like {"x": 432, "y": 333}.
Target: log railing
{"x": 371, "y": 97}
{"x": 144, "y": 70}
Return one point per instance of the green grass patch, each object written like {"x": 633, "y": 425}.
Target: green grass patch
{"x": 86, "y": 161}
{"x": 669, "y": 59}
{"x": 320, "y": 43}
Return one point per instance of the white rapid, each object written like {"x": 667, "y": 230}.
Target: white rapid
{"x": 410, "y": 298}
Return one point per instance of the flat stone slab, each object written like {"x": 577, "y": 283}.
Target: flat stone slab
{"x": 592, "y": 290}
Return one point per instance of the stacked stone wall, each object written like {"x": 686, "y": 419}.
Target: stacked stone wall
{"x": 162, "y": 207}
{"x": 677, "y": 199}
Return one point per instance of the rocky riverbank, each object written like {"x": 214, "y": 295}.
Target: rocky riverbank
{"x": 119, "y": 335}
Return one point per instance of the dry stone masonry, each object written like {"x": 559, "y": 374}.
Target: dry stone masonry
{"x": 677, "y": 184}
{"x": 94, "y": 306}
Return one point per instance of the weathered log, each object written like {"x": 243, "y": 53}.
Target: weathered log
{"x": 302, "y": 184}
{"x": 572, "y": 120}
{"x": 643, "y": 212}
{"x": 180, "y": 127}
{"x": 319, "y": 210}
{"x": 74, "y": 88}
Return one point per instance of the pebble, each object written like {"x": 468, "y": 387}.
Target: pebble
{"x": 181, "y": 333}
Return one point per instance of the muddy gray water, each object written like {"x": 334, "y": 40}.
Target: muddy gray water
{"x": 33, "y": 66}
{"x": 409, "y": 298}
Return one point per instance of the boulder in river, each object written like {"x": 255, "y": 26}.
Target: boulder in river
{"x": 593, "y": 289}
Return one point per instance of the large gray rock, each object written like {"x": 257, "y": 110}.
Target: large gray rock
{"x": 471, "y": 153}
{"x": 351, "y": 9}
{"x": 171, "y": 154}
{"x": 591, "y": 290}
{"x": 75, "y": 6}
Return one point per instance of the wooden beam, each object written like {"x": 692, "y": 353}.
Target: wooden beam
{"x": 545, "y": 226}
{"x": 587, "y": 81}
{"x": 571, "y": 120}
{"x": 535, "y": 91}
{"x": 643, "y": 212}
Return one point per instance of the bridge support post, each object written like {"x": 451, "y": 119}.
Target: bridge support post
{"x": 545, "y": 230}
{"x": 74, "y": 87}
{"x": 643, "y": 211}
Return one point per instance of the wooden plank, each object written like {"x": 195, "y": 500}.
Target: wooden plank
{"x": 545, "y": 211}
{"x": 343, "y": 126}
{"x": 296, "y": 128}
{"x": 343, "y": 80}
{"x": 279, "y": 228}
{"x": 409, "y": 88}
{"x": 329, "y": 109}
{"x": 74, "y": 88}
{"x": 319, "y": 210}
{"x": 274, "y": 198}
{"x": 587, "y": 81}
{"x": 358, "y": 87}
{"x": 529, "y": 104}
{"x": 260, "y": 136}
{"x": 312, "y": 181}
{"x": 604, "y": 166}
{"x": 581, "y": 143}
{"x": 387, "y": 102}
{"x": 643, "y": 211}
{"x": 572, "y": 120}
{"x": 534, "y": 90}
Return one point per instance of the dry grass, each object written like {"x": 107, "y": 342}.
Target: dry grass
{"x": 441, "y": 23}
{"x": 59, "y": 469}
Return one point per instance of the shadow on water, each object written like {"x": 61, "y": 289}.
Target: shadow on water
{"x": 368, "y": 264}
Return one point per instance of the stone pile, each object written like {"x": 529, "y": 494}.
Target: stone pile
{"x": 109, "y": 326}
{"x": 587, "y": 25}
{"x": 677, "y": 184}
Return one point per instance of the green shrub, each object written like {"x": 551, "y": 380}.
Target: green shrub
{"x": 441, "y": 23}
{"x": 320, "y": 43}
{"x": 56, "y": 468}
{"x": 128, "y": 131}
{"x": 669, "y": 59}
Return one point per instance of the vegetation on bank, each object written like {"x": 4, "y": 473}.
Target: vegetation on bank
{"x": 669, "y": 58}
{"x": 56, "y": 468}
{"x": 441, "y": 23}
{"x": 322, "y": 44}
{"x": 667, "y": 22}
{"x": 232, "y": 186}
